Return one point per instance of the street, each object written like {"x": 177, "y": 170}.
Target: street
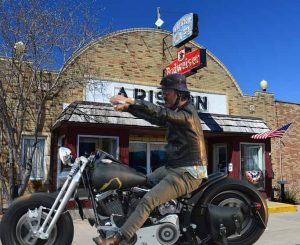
{"x": 283, "y": 229}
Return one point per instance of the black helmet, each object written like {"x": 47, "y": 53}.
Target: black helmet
{"x": 174, "y": 81}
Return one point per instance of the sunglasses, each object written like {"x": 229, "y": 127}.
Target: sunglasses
{"x": 167, "y": 90}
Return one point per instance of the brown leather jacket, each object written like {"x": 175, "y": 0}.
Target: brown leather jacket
{"x": 186, "y": 146}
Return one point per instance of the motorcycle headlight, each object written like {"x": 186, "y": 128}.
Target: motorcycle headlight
{"x": 65, "y": 155}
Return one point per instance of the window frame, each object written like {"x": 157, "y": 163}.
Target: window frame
{"x": 262, "y": 150}
{"x": 31, "y": 137}
{"x": 216, "y": 147}
{"x": 148, "y": 151}
{"x": 99, "y": 136}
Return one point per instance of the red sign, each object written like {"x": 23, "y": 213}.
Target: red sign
{"x": 187, "y": 62}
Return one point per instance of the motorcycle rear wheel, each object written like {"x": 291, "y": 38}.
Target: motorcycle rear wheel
{"x": 235, "y": 193}
{"x": 15, "y": 227}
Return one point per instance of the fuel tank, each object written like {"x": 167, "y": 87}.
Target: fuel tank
{"x": 112, "y": 175}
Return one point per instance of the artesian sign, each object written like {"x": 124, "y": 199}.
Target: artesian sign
{"x": 187, "y": 62}
{"x": 185, "y": 29}
{"x": 204, "y": 102}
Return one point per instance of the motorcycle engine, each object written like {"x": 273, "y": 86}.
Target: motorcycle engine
{"x": 170, "y": 207}
{"x": 109, "y": 204}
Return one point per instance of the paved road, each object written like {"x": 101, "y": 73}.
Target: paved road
{"x": 283, "y": 229}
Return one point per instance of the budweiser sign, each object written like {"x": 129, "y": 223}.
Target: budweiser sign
{"x": 187, "y": 63}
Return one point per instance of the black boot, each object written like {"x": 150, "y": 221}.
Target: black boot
{"x": 114, "y": 240}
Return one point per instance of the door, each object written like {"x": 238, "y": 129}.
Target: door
{"x": 252, "y": 164}
{"x": 220, "y": 163}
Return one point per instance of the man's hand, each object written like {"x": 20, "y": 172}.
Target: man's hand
{"x": 121, "y": 107}
{"x": 120, "y": 99}
{"x": 121, "y": 103}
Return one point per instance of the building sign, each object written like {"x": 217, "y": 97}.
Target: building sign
{"x": 204, "y": 102}
{"x": 187, "y": 62}
{"x": 185, "y": 29}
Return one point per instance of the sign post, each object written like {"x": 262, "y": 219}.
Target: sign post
{"x": 188, "y": 61}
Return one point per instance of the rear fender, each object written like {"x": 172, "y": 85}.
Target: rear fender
{"x": 242, "y": 186}
{"x": 205, "y": 185}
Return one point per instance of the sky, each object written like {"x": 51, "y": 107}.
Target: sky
{"x": 255, "y": 39}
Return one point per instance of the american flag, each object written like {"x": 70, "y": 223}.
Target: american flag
{"x": 278, "y": 132}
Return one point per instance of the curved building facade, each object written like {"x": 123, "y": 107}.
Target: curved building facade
{"x": 132, "y": 62}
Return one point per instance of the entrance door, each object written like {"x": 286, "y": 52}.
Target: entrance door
{"x": 220, "y": 158}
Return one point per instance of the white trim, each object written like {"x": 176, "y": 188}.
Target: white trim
{"x": 60, "y": 175}
{"x": 99, "y": 136}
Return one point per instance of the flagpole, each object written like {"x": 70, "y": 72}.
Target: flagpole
{"x": 281, "y": 182}
{"x": 278, "y": 132}
{"x": 280, "y": 160}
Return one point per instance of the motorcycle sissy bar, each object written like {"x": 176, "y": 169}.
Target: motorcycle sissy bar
{"x": 67, "y": 190}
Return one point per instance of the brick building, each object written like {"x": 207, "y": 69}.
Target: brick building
{"x": 134, "y": 59}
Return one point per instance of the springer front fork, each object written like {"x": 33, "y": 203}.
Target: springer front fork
{"x": 63, "y": 197}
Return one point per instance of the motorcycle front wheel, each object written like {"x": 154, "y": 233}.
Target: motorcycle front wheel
{"x": 19, "y": 222}
{"x": 235, "y": 193}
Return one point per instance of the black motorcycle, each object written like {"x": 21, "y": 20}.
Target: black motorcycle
{"x": 221, "y": 211}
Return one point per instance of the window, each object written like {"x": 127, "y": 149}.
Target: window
{"x": 220, "y": 158}
{"x": 90, "y": 145}
{"x": 38, "y": 160}
{"x": 252, "y": 164}
{"x": 145, "y": 157}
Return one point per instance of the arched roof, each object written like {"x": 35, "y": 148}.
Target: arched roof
{"x": 152, "y": 30}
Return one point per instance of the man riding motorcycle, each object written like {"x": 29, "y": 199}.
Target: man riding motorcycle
{"x": 186, "y": 154}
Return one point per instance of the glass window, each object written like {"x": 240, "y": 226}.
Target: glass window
{"x": 89, "y": 145}
{"x": 158, "y": 156}
{"x": 138, "y": 156}
{"x": 220, "y": 158}
{"x": 145, "y": 157}
{"x": 252, "y": 164}
{"x": 38, "y": 160}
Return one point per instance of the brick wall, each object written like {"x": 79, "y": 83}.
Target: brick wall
{"x": 289, "y": 149}
{"x": 139, "y": 56}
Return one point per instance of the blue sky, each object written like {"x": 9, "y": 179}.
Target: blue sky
{"x": 254, "y": 39}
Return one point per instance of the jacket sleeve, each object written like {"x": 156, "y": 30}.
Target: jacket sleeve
{"x": 161, "y": 115}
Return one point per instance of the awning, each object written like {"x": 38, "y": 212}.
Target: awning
{"x": 100, "y": 113}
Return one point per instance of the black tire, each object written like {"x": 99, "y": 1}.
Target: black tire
{"x": 14, "y": 226}
{"x": 236, "y": 193}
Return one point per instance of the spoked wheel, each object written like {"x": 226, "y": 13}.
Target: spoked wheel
{"x": 27, "y": 226}
{"x": 24, "y": 218}
{"x": 234, "y": 193}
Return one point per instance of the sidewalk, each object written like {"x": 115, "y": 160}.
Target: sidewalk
{"x": 278, "y": 207}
